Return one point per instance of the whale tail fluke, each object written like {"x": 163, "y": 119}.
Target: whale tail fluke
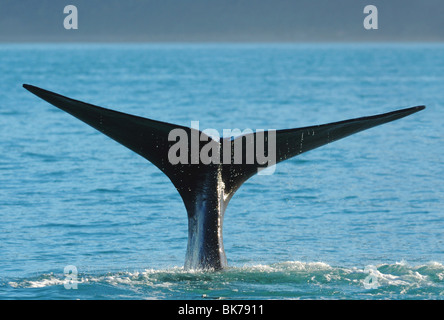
{"x": 292, "y": 142}
{"x": 206, "y": 188}
{"x": 146, "y": 137}
{"x": 149, "y": 138}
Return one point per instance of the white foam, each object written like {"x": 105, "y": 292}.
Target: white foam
{"x": 399, "y": 274}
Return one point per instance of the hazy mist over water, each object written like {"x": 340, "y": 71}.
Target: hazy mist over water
{"x": 222, "y": 20}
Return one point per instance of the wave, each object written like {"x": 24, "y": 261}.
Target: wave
{"x": 285, "y": 280}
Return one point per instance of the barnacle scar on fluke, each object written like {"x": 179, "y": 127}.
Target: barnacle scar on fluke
{"x": 206, "y": 188}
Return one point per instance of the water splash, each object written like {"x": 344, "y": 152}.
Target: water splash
{"x": 286, "y": 280}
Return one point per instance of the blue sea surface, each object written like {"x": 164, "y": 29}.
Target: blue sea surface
{"x": 360, "y": 218}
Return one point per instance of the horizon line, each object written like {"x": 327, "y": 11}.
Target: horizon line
{"x": 223, "y": 42}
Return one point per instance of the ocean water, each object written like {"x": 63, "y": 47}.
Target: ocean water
{"x": 361, "y": 218}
